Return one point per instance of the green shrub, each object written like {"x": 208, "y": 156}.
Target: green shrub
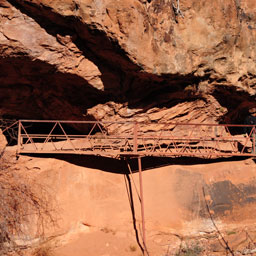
{"x": 193, "y": 250}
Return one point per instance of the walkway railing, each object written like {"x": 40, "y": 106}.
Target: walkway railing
{"x": 117, "y": 139}
{"x": 173, "y": 139}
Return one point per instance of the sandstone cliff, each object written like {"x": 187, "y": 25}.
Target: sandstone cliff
{"x": 134, "y": 60}
{"x": 97, "y": 207}
{"x": 129, "y": 59}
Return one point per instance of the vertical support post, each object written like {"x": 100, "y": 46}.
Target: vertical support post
{"x": 19, "y": 137}
{"x": 253, "y": 141}
{"x": 142, "y": 206}
{"x": 135, "y": 138}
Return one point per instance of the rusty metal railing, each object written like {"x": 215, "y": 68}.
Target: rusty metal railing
{"x": 118, "y": 139}
{"x": 113, "y": 139}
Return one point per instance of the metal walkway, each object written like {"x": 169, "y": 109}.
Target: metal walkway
{"x": 131, "y": 139}
{"x": 116, "y": 139}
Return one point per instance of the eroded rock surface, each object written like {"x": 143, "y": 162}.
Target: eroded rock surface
{"x": 128, "y": 60}
{"x": 97, "y": 202}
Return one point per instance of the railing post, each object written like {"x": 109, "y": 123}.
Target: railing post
{"x": 135, "y": 138}
{"x": 253, "y": 140}
{"x": 19, "y": 137}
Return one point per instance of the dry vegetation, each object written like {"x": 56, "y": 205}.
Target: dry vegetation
{"x": 26, "y": 209}
{"x": 10, "y": 128}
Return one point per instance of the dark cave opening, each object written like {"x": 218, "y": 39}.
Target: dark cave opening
{"x": 239, "y": 104}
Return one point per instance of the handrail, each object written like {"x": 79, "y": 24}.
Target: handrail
{"x": 201, "y": 140}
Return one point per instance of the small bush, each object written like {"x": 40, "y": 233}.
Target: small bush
{"x": 133, "y": 248}
{"x": 45, "y": 250}
{"x": 193, "y": 250}
{"x": 229, "y": 233}
{"x": 25, "y": 209}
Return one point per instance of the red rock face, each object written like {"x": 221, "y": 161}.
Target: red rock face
{"x": 126, "y": 60}
{"x": 97, "y": 191}
{"x": 117, "y": 60}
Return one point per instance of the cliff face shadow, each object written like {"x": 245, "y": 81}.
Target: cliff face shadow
{"x": 40, "y": 91}
{"x": 119, "y": 166}
{"x": 122, "y": 79}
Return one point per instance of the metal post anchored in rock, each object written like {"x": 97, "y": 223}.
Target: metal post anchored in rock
{"x": 142, "y": 207}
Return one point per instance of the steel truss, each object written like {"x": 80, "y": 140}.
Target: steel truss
{"x": 175, "y": 139}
